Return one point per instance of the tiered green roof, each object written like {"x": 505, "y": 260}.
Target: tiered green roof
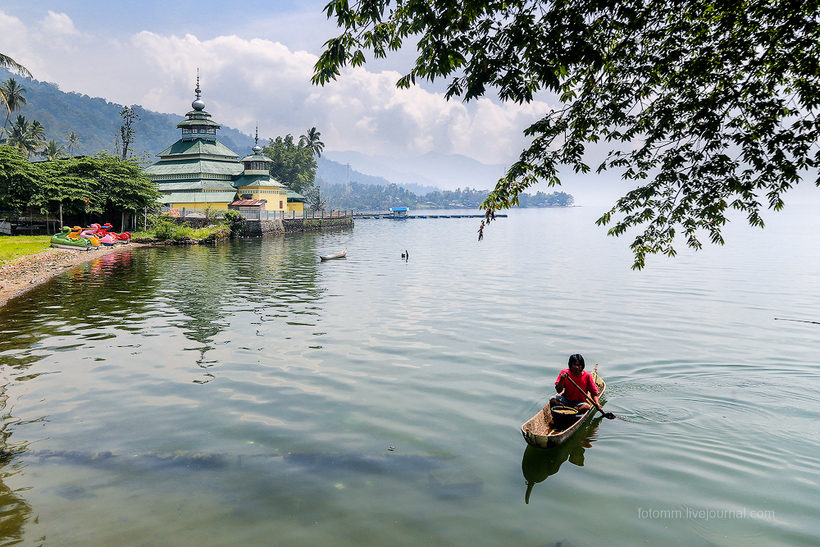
{"x": 260, "y": 181}
{"x": 196, "y": 119}
{"x": 197, "y": 168}
{"x": 200, "y": 169}
{"x": 256, "y": 170}
{"x": 200, "y": 147}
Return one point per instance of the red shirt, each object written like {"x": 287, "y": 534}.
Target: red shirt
{"x": 584, "y": 381}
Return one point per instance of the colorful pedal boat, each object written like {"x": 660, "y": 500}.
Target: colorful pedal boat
{"x": 70, "y": 239}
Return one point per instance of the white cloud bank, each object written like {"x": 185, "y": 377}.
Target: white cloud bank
{"x": 250, "y": 81}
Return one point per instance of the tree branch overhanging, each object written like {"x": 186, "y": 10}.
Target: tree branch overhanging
{"x": 714, "y": 102}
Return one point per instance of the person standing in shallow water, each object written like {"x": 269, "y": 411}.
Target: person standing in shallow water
{"x": 568, "y": 394}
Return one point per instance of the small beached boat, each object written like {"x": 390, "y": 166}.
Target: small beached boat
{"x": 340, "y": 254}
{"x": 539, "y": 432}
{"x": 106, "y": 230}
{"x": 69, "y": 239}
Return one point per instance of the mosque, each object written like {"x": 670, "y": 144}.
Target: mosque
{"x": 199, "y": 172}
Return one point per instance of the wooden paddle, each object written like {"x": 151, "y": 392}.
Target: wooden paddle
{"x": 607, "y": 415}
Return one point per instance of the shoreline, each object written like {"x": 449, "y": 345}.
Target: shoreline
{"x": 26, "y": 272}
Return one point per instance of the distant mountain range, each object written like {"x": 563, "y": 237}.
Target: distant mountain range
{"x": 97, "y": 121}
{"x": 426, "y": 173}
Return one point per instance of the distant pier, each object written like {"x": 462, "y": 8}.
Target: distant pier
{"x": 391, "y": 216}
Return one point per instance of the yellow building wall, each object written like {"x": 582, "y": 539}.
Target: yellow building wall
{"x": 276, "y": 200}
{"x": 215, "y": 206}
{"x": 297, "y": 206}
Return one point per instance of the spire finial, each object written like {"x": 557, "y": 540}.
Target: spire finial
{"x": 256, "y": 148}
{"x": 198, "y": 105}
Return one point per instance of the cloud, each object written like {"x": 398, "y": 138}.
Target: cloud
{"x": 246, "y": 81}
{"x": 58, "y": 24}
{"x": 15, "y": 40}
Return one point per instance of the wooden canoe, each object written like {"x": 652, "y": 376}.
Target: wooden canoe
{"x": 537, "y": 431}
{"x": 340, "y": 254}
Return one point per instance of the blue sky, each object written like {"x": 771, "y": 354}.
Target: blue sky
{"x": 256, "y": 61}
{"x": 204, "y": 18}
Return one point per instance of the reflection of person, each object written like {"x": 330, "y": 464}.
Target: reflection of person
{"x": 569, "y": 395}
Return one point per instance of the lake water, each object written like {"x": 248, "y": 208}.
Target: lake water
{"x": 249, "y": 394}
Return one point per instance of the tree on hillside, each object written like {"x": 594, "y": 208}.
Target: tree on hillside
{"x": 293, "y": 164}
{"x": 540, "y": 199}
{"x": 315, "y": 202}
{"x": 26, "y": 136}
{"x": 73, "y": 142}
{"x": 311, "y": 139}
{"x": 53, "y": 151}
{"x": 706, "y": 105}
{"x": 13, "y": 98}
{"x": 127, "y": 134}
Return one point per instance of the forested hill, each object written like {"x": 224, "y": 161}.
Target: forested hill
{"x": 97, "y": 121}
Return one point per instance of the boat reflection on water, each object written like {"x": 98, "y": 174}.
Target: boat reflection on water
{"x": 540, "y": 463}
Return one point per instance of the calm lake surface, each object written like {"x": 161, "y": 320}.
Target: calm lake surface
{"x": 249, "y": 394}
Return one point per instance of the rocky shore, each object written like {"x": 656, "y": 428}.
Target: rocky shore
{"x": 26, "y": 272}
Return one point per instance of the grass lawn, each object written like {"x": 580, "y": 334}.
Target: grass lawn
{"x": 12, "y": 247}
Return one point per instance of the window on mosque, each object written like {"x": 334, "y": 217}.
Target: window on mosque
{"x": 199, "y": 130}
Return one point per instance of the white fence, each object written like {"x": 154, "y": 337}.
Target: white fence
{"x": 256, "y": 214}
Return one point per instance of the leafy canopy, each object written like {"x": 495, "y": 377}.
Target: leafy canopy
{"x": 18, "y": 179}
{"x": 708, "y": 105}
{"x": 293, "y": 164}
{"x": 99, "y": 184}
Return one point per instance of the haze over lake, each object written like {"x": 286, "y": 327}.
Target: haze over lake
{"x": 249, "y": 394}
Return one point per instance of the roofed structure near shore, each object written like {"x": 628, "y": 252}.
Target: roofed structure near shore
{"x": 199, "y": 172}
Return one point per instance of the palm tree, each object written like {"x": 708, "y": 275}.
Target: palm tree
{"x": 53, "y": 151}
{"x": 36, "y": 136}
{"x": 11, "y": 64}
{"x": 17, "y": 131}
{"x": 3, "y": 100}
{"x": 73, "y": 141}
{"x": 26, "y": 137}
{"x": 311, "y": 139}
{"x": 13, "y": 97}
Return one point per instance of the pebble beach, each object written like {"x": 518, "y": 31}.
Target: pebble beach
{"x": 26, "y": 272}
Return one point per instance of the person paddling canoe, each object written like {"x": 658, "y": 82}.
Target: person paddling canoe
{"x": 569, "y": 394}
